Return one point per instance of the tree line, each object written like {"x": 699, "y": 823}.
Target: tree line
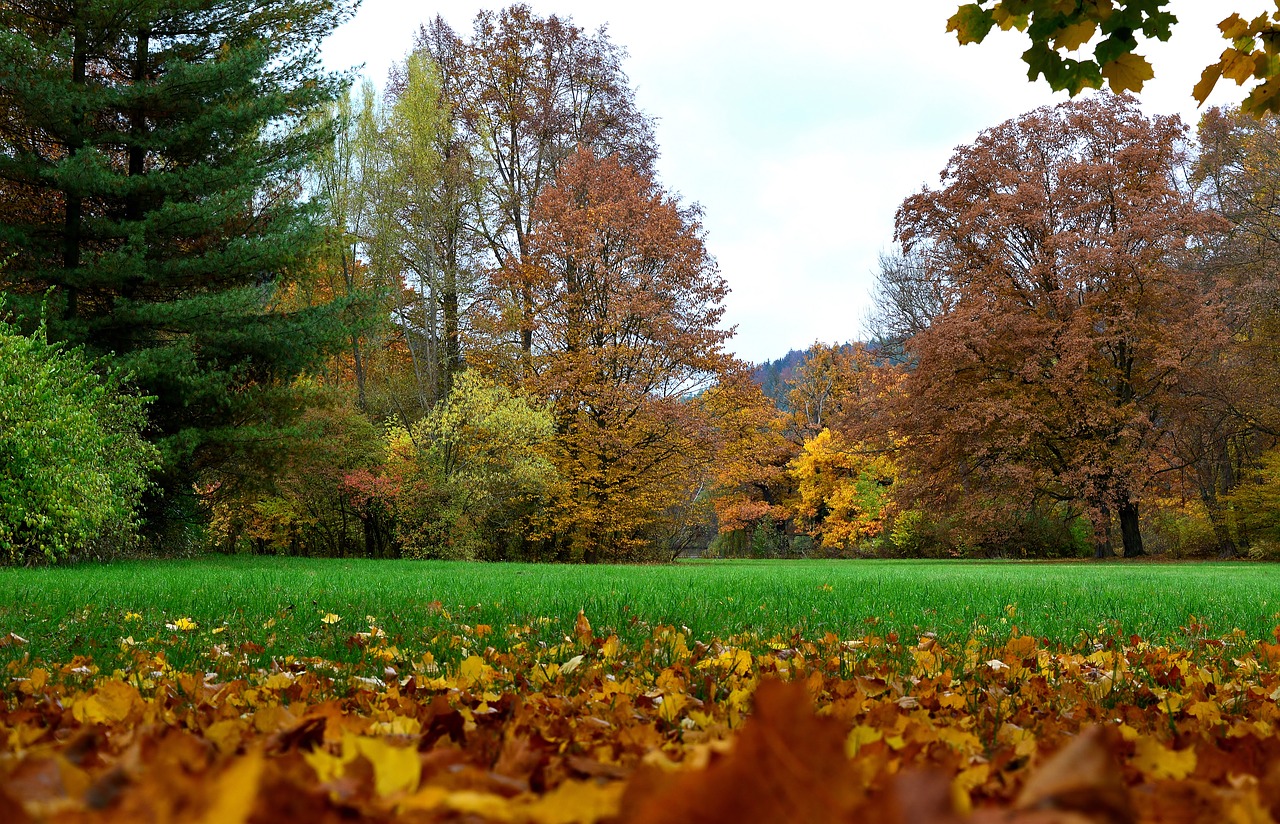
{"x": 251, "y": 307}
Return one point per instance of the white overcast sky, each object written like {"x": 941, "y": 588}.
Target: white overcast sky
{"x": 801, "y": 126}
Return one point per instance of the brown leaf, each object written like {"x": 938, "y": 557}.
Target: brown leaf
{"x": 1082, "y": 777}
{"x": 788, "y": 765}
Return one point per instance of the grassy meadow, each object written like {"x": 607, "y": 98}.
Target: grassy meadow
{"x": 281, "y": 604}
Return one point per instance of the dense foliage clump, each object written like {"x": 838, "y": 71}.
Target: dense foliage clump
{"x": 73, "y": 463}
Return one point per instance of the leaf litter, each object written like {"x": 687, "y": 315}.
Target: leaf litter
{"x": 597, "y": 729}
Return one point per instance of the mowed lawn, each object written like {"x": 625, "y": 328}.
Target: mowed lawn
{"x": 281, "y": 604}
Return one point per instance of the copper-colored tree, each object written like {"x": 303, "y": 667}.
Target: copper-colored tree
{"x": 525, "y": 91}
{"x": 624, "y": 330}
{"x": 1073, "y": 305}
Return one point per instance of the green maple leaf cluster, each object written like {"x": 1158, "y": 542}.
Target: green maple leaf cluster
{"x": 1057, "y": 26}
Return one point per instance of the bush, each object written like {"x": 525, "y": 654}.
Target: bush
{"x": 1178, "y": 530}
{"x": 73, "y": 466}
{"x": 471, "y": 475}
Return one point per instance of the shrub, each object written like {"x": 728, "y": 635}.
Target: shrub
{"x": 471, "y": 474}
{"x": 73, "y": 466}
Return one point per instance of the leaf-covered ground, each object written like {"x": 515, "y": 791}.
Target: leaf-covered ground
{"x": 875, "y": 727}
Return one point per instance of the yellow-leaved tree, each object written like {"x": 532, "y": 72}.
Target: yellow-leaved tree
{"x": 843, "y": 490}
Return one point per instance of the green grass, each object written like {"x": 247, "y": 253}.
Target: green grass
{"x": 85, "y": 610}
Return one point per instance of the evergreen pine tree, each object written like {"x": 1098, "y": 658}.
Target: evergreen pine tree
{"x": 150, "y": 153}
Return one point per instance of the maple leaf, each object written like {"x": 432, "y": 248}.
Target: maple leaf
{"x": 1128, "y": 72}
{"x": 971, "y": 23}
{"x": 787, "y": 765}
{"x": 110, "y": 703}
{"x": 1158, "y": 761}
{"x": 1076, "y": 35}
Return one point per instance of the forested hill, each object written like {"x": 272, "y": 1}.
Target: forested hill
{"x": 772, "y": 376}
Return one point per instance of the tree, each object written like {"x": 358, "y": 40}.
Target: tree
{"x": 149, "y": 162}
{"x": 524, "y": 93}
{"x": 302, "y": 505}
{"x": 623, "y": 333}
{"x": 750, "y": 479}
{"x": 905, "y": 298}
{"x": 470, "y": 476}
{"x": 1055, "y": 27}
{"x": 1231, "y": 413}
{"x": 843, "y": 490}
{"x": 72, "y": 464}
{"x": 1067, "y": 249}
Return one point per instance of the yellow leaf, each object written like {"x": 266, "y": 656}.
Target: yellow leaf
{"x": 582, "y": 628}
{"x": 859, "y": 737}
{"x": 225, "y": 735}
{"x": 485, "y": 805}
{"x": 237, "y": 791}
{"x": 110, "y": 703}
{"x": 395, "y": 769}
{"x": 182, "y": 625}
{"x": 1208, "y": 80}
{"x": 279, "y": 681}
{"x": 577, "y": 802}
{"x": 1207, "y": 711}
{"x": 611, "y": 647}
{"x": 328, "y": 767}
{"x": 571, "y": 665}
{"x": 35, "y": 681}
{"x": 1074, "y": 36}
{"x": 1237, "y": 65}
{"x": 1128, "y": 72}
{"x": 672, "y": 704}
{"x": 965, "y": 783}
{"x": 472, "y": 671}
{"x": 1233, "y": 27}
{"x": 1158, "y": 761}
{"x": 330, "y": 618}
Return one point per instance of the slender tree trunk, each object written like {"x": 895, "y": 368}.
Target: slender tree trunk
{"x": 1130, "y": 533}
{"x": 449, "y": 301}
{"x": 357, "y": 355}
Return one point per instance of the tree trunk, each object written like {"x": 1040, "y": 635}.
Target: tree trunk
{"x": 1130, "y": 533}
{"x": 357, "y": 356}
{"x": 1102, "y": 547}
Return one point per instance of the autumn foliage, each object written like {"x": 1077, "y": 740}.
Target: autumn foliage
{"x": 596, "y": 730}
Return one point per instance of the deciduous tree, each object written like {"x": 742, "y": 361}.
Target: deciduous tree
{"x": 73, "y": 466}
{"x": 1074, "y": 307}
{"x": 624, "y": 332}
{"x": 524, "y": 92}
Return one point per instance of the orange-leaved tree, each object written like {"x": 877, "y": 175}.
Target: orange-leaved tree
{"x": 621, "y": 305}
{"x": 1075, "y": 301}
{"x": 750, "y": 484}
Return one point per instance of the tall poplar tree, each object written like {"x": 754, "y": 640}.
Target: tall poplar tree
{"x": 150, "y": 153}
